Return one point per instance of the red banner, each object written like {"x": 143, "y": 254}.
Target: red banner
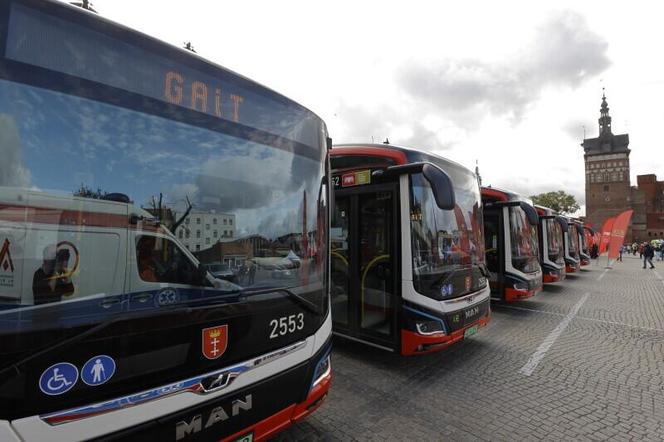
{"x": 618, "y": 233}
{"x": 606, "y": 235}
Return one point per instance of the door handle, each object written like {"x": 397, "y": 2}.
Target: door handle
{"x": 143, "y": 297}
{"x": 108, "y": 303}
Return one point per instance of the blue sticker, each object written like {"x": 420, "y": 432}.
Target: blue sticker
{"x": 58, "y": 378}
{"x": 446, "y": 289}
{"x": 98, "y": 370}
{"x": 167, "y": 296}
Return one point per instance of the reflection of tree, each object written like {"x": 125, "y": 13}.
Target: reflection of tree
{"x": 87, "y": 192}
{"x": 167, "y": 216}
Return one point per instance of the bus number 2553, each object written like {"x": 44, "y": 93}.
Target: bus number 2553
{"x": 286, "y": 324}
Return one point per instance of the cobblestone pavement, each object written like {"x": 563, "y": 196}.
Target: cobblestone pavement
{"x": 594, "y": 347}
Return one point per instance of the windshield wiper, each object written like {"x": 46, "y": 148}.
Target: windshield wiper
{"x": 298, "y": 299}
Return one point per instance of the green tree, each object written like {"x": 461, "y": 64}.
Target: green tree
{"x": 559, "y": 201}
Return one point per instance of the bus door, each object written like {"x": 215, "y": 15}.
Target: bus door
{"x": 364, "y": 264}
{"x": 495, "y": 248}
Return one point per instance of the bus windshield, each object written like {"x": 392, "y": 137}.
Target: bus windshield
{"x": 573, "y": 235}
{"x": 523, "y": 237}
{"x": 554, "y": 238}
{"x": 448, "y": 245}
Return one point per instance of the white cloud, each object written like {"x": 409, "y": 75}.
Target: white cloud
{"x": 12, "y": 171}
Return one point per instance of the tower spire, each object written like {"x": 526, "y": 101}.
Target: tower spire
{"x": 605, "y": 118}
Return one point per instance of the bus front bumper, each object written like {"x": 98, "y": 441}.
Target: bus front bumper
{"x": 413, "y": 343}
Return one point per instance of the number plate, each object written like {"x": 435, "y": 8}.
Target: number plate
{"x": 470, "y": 331}
{"x": 246, "y": 438}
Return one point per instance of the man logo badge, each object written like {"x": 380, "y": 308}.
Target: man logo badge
{"x": 216, "y": 415}
{"x": 215, "y": 341}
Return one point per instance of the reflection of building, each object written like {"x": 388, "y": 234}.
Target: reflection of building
{"x": 200, "y": 231}
{"x": 608, "y": 190}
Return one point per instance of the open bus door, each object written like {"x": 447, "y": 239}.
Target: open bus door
{"x": 365, "y": 289}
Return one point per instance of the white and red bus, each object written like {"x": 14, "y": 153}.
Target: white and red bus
{"x": 512, "y": 256}
{"x": 125, "y": 164}
{"x": 551, "y": 246}
{"x": 408, "y": 271}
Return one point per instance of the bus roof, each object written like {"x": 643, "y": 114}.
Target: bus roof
{"x": 497, "y": 194}
{"x": 400, "y": 154}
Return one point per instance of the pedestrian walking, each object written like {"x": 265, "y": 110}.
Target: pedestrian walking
{"x": 648, "y": 255}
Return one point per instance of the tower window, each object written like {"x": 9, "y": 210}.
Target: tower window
{"x": 606, "y": 188}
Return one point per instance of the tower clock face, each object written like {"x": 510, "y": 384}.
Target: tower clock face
{"x": 607, "y": 198}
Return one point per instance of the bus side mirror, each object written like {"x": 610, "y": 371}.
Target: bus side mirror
{"x": 563, "y": 224}
{"x": 441, "y": 185}
{"x": 531, "y": 213}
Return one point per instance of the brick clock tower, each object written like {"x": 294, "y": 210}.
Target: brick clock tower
{"x": 608, "y": 188}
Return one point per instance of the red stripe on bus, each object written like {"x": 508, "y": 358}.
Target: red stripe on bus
{"x": 67, "y": 217}
{"x": 281, "y": 420}
{"x": 396, "y": 155}
{"x": 493, "y": 193}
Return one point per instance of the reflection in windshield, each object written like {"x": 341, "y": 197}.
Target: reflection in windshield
{"x": 199, "y": 206}
{"x": 554, "y": 235}
{"x": 523, "y": 238}
{"x": 573, "y": 239}
{"x": 447, "y": 245}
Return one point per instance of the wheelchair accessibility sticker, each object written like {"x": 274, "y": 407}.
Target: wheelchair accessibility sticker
{"x": 58, "y": 378}
{"x": 98, "y": 370}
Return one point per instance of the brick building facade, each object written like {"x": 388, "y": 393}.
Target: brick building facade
{"x": 608, "y": 188}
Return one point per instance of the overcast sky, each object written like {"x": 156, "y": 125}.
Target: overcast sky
{"x": 510, "y": 84}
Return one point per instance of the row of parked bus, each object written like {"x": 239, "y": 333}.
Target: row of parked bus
{"x": 112, "y": 327}
{"x": 419, "y": 248}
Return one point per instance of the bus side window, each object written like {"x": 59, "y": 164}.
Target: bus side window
{"x": 160, "y": 260}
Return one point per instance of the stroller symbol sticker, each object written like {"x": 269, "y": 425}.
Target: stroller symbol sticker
{"x": 58, "y": 378}
{"x": 98, "y": 370}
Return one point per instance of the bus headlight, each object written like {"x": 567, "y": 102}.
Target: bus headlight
{"x": 429, "y": 327}
{"x": 521, "y": 286}
{"x": 323, "y": 369}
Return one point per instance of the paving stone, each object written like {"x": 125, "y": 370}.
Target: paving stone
{"x": 603, "y": 378}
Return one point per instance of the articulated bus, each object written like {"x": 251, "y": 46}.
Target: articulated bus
{"x": 512, "y": 257}
{"x": 407, "y": 249}
{"x": 130, "y": 169}
{"x": 571, "y": 243}
{"x": 551, "y": 248}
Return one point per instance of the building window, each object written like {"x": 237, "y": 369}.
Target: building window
{"x": 207, "y": 227}
{"x": 214, "y": 233}
{"x": 214, "y": 220}
{"x": 186, "y": 220}
{"x": 186, "y": 234}
{"x": 606, "y": 188}
{"x": 230, "y": 221}
{"x": 198, "y": 233}
{"x": 230, "y": 233}
{"x": 180, "y": 234}
{"x": 198, "y": 247}
{"x": 225, "y": 233}
{"x": 198, "y": 220}
{"x": 225, "y": 221}
{"x": 207, "y": 240}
